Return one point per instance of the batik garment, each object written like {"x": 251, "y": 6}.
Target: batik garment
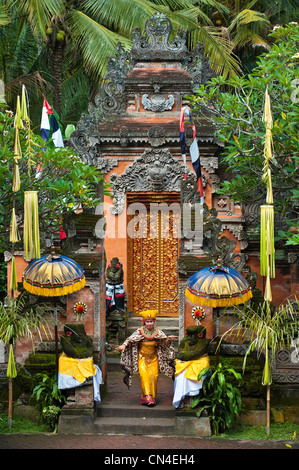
{"x": 185, "y": 382}
{"x": 148, "y": 356}
{"x": 115, "y": 296}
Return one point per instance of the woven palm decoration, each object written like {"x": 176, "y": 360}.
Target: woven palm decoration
{"x": 31, "y": 225}
{"x": 267, "y": 249}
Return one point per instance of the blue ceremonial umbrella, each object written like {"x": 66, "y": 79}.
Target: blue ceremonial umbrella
{"x": 53, "y": 275}
{"x": 218, "y": 286}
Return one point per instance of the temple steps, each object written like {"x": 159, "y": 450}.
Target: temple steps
{"x": 135, "y": 419}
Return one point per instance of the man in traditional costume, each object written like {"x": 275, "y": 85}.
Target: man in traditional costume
{"x": 147, "y": 351}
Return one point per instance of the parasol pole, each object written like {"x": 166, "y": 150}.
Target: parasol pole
{"x": 56, "y": 335}
{"x": 217, "y": 335}
{"x": 55, "y": 315}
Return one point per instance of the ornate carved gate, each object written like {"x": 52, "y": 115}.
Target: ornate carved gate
{"x": 153, "y": 253}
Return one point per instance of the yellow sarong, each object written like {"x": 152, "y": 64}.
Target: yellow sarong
{"x": 80, "y": 369}
{"x": 193, "y": 368}
{"x": 148, "y": 366}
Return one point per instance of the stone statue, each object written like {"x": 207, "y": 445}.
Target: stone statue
{"x": 192, "y": 357}
{"x": 194, "y": 345}
{"x": 115, "y": 294}
{"x": 75, "y": 342}
{"x": 77, "y": 368}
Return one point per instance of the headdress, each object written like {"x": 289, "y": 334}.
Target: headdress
{"x": 149, "y": 314}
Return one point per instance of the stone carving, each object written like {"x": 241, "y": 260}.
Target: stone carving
{"x": 285, "y": 367}
{"x": 158, "y": 103}
{"x": 112, "y": 98}
{"x": 88, "y": 148}
{"x": 156, "y": 136}
{"x": 194, "y": 345}
{"x": 75, "y": 342}
{"x": 158, "y": 30}
{"x": 198, "y": 66}
{"x": 124, "y": 136}
{"x": 155, "y": 170}
{"x": 189, "y": 191}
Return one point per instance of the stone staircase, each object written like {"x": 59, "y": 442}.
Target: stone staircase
{"x": 114, "y": 418}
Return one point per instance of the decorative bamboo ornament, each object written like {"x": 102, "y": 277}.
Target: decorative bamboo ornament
{"x": 11, "y": 367}
{"x": 31, "y": 225}
{"x": 267, "y": 249}
{"x": 14, "y": 236}
{"x": 267, "y": 118}
{"x": 13, "y": 279}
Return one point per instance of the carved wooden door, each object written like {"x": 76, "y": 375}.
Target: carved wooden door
{"x": 153, "y": 252}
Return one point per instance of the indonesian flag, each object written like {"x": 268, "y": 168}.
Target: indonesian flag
{"x": 49, "y": 127}
{"x": 194, "y": 151}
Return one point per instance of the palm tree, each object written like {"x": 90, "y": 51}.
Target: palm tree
{"x": 246, "y": 25}
{"x": 90, "y": 30}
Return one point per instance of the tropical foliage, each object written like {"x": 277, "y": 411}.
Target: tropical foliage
{"x": 16, "y": 322}
{"x": 235, "y": 106}
{"x": 62, "y": 179}
{"x": 265, "y": 331}
{"x": 220, "y": 396}
{"x": 62, "y": 47}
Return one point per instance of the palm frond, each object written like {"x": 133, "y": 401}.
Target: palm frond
{"x": 96, "y": 42}
{"x": 38, "y": 12}
{"x": 4, "y": 17}
{"x": 249, "y": 16}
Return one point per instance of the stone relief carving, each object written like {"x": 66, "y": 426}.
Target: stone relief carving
{"x": 154, "y": 170}
{"x": 199, "y": 67}
{"x": 158, "y": 29}
{"x": 124, "y": 136}
{"x": 156, "y": 136}
{"x": 88, "y": 148}
{"x": 158, "y": 103}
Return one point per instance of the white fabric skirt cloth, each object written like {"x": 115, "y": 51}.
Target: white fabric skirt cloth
{"x": 67, "y": 381}
{"x": 184, "y": 387}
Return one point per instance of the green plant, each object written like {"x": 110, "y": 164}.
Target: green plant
{"x": 234, "y": 106}
{"x": 16, "y": 321}
{"x": 50, "y": 415}
{"x": 47, "y": 392}
{"x": 269, "y": 330}
{"x": 220, "y": 397}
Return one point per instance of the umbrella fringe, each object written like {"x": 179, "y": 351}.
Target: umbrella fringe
{"x": 53, "y": 291}
{"x": 220, "y": 302}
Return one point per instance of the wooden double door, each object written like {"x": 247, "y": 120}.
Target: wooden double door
{"x": 153, "y": 253}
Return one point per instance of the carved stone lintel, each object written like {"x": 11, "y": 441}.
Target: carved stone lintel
{"x": 154, "y": 170}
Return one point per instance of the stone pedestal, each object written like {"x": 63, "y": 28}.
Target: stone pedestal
{"x": 78, "y": 413}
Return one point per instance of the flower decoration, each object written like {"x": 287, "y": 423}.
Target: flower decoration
{"x": 198, "y": 314}
{"x": 80, "y": 308}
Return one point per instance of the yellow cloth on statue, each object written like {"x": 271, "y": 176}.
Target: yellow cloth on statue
{"x": 193, "y": 368}
{"x": 80, "y": 369}
{"x": 148, "y": 366}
